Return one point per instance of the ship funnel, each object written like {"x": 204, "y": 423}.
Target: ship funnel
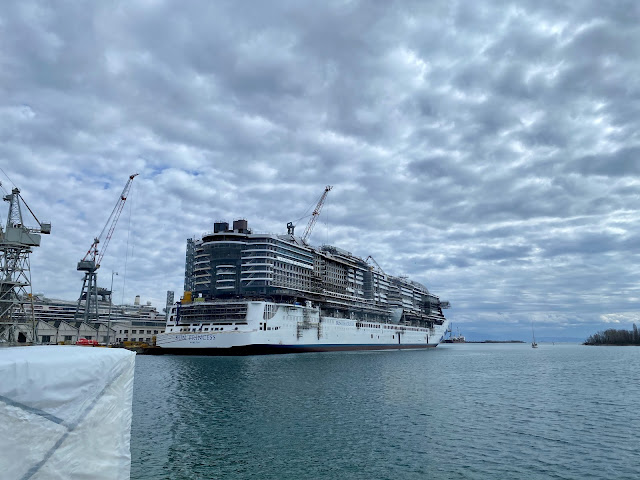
{"x": 220, "y": 227}
{"x": 240, "y": 225}
{"x": 137, "y": 300}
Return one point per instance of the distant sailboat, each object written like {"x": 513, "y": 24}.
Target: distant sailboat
{"x": 534, "y": 344}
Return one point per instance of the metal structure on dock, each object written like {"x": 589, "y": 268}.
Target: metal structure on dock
{"x": 17, "y": 324}
{"x": 87, "y": 308}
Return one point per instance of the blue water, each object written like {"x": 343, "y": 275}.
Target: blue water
{"x": 466, "y": 411}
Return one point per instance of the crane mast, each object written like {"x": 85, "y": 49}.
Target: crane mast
{"x": 17, "y": 322}
{"x": 314, "y": 215}
{"x": 90, "y": 263}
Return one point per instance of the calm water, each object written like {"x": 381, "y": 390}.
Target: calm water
{"x": 458, "y": 411}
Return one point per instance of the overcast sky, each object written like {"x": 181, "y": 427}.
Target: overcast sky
{"x": 489, "y": 150}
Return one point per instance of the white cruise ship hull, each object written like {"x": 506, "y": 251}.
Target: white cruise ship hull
{"x": 283, "y": 328}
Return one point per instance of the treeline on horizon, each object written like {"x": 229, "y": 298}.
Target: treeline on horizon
{"x": 615, "y": 337}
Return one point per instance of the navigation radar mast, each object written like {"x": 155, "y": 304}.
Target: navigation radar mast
{"x": 17, "y": 322}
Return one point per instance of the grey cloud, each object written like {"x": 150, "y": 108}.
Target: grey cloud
{"x": 487, "y": 150}
{"x": 622, "y": 162}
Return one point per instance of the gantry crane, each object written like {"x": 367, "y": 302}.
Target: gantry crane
{"x": 17, "y": 322}
{"x": 91, "y": 261}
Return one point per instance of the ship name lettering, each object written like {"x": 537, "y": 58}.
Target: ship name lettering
{"x": 196, "y": 338}
{"x": 344, "y": 322}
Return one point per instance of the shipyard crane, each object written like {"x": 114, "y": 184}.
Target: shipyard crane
{"x": 91, "y": 261}
{"x": 17, "y": 322}
{"x": 374, "y": 261}
{"x": 314, "y": 215}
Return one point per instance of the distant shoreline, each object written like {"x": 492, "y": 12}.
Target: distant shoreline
{"x": 613, "y": 337}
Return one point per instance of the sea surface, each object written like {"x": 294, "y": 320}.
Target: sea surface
{"x": 462, "y": 411}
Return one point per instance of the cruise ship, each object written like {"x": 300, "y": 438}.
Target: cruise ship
{"x": 254, "y": 293}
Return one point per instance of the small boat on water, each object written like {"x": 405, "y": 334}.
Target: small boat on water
{"x": 454, "y": 338}
{"x": 534, "y": 344}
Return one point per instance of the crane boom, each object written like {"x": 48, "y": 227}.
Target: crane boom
{"x": 93, "y": 255}
{"x": 374, "y": 261}
{"x": 314, "y": 215}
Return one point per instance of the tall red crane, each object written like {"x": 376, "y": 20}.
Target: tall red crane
{"x": 91, "y": 261}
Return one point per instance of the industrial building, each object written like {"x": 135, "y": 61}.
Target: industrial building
{"x": 56, "y": 322}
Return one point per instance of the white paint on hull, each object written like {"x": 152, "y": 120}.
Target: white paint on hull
{"x": 295, "y": 326}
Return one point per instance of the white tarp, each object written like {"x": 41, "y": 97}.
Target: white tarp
{"x": 65, "y": 412}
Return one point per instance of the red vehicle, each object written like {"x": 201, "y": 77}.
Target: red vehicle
{"x": 87, "y": 343}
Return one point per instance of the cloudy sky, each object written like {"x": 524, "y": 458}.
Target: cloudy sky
{"x": 489, "y": 150}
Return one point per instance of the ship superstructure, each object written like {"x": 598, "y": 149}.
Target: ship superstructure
{"x": 254, "y": 293}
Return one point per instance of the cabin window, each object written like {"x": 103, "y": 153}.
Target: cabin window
{"x": 68, "y": 338}
{"x": 155, "y": 332}
{"x": 134, "y": 331}
{"x": 126, "y": 331}
{"x": 46, "y": 338}
{"x": 148, "y": 332}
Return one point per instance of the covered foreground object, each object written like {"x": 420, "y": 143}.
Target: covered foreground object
{"x": 65, "y": 412}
